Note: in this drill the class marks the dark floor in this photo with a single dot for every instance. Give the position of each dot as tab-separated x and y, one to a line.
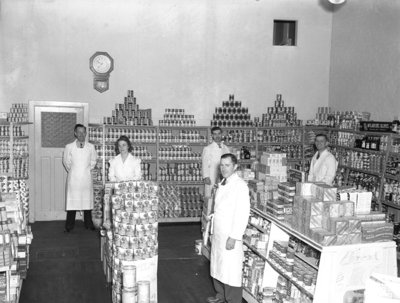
67	267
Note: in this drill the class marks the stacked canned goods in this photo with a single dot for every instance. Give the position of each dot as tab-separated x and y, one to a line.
279	136
232	114
239	136
178	152
128	113
189	136
177	117
18	113
180	172
280	115
393	165
359	160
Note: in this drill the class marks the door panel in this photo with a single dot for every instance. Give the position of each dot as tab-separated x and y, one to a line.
53	128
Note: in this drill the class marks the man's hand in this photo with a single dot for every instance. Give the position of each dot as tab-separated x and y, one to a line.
230	243
207	181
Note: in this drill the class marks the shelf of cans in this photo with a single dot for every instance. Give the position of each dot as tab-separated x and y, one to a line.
15	237
131	247
128	113
18	113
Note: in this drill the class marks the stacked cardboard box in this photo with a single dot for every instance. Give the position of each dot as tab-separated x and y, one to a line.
317	214
272	164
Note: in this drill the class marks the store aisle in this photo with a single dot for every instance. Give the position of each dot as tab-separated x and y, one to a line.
67	267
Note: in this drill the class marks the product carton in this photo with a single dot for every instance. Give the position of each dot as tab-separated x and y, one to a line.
376	231
323	237
325	192
306	188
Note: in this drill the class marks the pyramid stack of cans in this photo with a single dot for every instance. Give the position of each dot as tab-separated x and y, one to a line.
177	117
232	114
280	115
134	207
128	113
18	113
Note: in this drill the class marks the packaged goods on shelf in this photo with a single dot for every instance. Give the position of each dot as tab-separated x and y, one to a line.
128	113
393	166
325	116
272	164
180	172
190	136
391	191
253	271
231	114
132	240
359	160
332	222
18	113
18	189
178	152
177	117
97	211
280	115
246	174
180	201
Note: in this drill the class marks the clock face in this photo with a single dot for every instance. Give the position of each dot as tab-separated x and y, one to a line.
101	64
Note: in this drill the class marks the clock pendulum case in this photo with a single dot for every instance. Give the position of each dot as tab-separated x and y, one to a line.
101	64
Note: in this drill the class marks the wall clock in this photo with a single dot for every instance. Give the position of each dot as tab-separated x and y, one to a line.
101	64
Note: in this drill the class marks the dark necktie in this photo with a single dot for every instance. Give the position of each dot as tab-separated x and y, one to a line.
81	144
223	181
317	156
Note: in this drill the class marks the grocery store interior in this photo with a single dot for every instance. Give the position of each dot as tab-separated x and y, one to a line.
303	93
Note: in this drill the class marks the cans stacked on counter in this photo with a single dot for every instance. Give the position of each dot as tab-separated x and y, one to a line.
178	152
232	114
280	115
189	136
180	172
128	113
177	117
21	190
180	201
97	211
18	113
133	237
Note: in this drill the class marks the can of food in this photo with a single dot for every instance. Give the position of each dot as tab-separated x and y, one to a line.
198	246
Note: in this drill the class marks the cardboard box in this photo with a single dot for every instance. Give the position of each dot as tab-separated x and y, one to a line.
325	192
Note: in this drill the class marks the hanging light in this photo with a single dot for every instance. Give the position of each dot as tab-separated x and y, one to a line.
337	1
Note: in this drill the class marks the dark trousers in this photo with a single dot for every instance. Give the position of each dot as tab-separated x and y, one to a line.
71	214
230	294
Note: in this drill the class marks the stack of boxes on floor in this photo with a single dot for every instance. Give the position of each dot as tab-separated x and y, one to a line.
332	218
15	236
131	249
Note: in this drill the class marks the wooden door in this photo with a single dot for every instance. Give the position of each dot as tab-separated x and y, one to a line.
53	128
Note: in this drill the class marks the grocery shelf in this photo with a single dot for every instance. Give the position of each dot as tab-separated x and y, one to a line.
183	143
249	297
179	161
287	276
393	154
307	260
288	229
279	127
239	144
391	204
182	182
179	220
261	254
14	123
397	178
259	228
279	143
183	127
369	172
361	150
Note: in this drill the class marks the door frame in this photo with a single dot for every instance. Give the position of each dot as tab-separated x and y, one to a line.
32	150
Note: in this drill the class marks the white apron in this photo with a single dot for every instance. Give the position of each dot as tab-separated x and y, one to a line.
323	169
79	180
211	157
231	214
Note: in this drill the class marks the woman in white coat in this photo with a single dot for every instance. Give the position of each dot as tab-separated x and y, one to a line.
231	214
124	166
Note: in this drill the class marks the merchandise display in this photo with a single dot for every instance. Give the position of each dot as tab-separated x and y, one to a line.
176	117
128	113
180	172
178	152
327	117
18	113
190	136
131	246
232	115
280	115
179	201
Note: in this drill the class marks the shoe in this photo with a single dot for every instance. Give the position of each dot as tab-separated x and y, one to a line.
214	300
67	230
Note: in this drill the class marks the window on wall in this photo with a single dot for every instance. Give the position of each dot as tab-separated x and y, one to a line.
285	32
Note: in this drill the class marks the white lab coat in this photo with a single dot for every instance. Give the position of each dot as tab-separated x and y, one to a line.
124	171
78	163
211	158
231	214
323	169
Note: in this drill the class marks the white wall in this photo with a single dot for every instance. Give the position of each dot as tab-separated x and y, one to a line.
187	54
365	64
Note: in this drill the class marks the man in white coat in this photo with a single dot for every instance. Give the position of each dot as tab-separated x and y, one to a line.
231	214
211	158
79	159
323	164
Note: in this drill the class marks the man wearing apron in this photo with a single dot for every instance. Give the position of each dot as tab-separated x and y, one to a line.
210	160
231	214
79	159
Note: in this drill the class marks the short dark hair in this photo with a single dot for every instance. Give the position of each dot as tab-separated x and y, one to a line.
78	126
126	139
231	156
216	128
322	135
